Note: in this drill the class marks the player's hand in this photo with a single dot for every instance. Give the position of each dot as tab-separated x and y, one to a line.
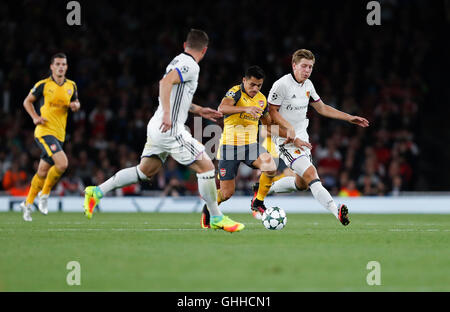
254	111
75	106
362	122
300	143
210	114
290	135
39	120
166	123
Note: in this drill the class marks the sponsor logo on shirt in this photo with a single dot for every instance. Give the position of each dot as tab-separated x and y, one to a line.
295	108
248	117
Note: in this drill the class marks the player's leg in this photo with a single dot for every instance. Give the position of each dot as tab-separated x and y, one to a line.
304	168
226	190
37	182
283	170
288	184
51	167
268	167
207	189
54	174
228	166
147	168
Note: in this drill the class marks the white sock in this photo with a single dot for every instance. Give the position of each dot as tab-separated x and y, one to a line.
323	197
123	178
208	191
283	185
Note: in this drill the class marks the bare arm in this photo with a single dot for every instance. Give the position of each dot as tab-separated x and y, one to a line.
283	124
227	107
29	107
165	87
205	112
328	111
281	127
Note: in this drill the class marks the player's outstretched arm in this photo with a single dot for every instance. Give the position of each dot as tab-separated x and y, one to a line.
29	107
205	112
331	112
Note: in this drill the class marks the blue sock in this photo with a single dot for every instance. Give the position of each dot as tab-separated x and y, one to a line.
215	219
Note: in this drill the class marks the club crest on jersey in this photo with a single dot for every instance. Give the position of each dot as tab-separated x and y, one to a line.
223	172
261	103
53	147
307	94
69	92
297	152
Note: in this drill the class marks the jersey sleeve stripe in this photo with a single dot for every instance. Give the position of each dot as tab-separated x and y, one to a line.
179	74
316	100
175	107
38	89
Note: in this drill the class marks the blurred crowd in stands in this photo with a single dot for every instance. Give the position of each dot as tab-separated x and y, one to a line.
120	52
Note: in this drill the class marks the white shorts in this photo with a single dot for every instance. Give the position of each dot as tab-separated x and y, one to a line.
290	153
182	146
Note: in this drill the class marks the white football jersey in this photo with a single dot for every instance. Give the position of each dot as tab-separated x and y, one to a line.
182	93
293	99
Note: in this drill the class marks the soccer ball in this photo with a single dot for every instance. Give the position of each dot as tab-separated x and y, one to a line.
274	218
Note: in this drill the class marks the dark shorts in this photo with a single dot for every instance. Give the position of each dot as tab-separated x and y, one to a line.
231	157
49	145
280	164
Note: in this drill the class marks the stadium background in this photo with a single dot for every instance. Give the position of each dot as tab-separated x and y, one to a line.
390	74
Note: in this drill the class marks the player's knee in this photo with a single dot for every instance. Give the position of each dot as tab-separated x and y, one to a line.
226	194
268	165
146	172
300	184
271	173
310	174
42	172
208	167
62	166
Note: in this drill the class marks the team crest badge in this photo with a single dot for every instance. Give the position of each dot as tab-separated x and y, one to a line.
53	147
261	103
297	152
307	94
223	172
69	92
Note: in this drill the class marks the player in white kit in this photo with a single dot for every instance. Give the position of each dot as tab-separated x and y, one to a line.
166	135
289	100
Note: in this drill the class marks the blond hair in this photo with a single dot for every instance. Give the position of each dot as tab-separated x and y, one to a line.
302	53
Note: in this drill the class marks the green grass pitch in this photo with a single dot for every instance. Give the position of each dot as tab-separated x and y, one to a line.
169	252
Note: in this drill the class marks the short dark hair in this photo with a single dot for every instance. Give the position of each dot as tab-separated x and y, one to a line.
254	71
197	39
57	55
